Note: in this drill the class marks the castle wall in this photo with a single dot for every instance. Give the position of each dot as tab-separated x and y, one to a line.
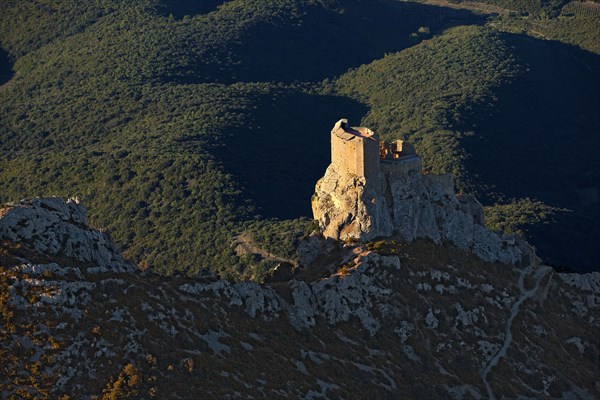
371	157
403	164
343	154
356	156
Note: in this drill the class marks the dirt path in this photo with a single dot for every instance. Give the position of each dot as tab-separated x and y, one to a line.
539	274
245	245
474	6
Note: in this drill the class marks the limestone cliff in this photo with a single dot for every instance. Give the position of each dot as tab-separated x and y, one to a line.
401	199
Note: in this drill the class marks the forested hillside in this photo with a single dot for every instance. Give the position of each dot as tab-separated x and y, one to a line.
572	22
184	124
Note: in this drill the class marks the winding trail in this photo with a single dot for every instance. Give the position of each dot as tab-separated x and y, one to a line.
247	246
480	6
539	274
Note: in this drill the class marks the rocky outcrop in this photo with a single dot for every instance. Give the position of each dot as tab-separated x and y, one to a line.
350	207
335	298
58	228
342	297
398	320
402	200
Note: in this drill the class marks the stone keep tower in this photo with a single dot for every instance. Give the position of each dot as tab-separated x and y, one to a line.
354	151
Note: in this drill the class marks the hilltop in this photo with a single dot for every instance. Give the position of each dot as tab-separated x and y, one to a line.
184	127
195	132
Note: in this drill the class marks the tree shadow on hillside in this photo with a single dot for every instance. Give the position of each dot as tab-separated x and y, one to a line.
182	8
279	157
324	43
6	67
543	142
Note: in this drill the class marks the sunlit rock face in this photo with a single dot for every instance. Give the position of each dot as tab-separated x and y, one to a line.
352	207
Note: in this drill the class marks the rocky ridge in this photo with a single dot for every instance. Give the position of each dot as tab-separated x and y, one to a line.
415	320
403	200
55	227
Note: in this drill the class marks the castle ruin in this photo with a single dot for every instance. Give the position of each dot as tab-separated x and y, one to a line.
375	189
358	151
354	150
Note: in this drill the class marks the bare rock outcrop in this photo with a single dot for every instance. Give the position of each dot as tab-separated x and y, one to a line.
55	227
350	207
335	298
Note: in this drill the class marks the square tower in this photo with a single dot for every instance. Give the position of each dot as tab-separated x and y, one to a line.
354	150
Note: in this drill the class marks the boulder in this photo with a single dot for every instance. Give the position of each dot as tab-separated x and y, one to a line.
55	227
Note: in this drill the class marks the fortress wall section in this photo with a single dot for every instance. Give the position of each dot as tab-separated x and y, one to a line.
371	157
346	154
356	155
403	165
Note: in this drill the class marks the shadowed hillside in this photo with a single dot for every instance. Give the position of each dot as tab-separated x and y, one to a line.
183	8
285	43
540	140
360	34
6	67
283	150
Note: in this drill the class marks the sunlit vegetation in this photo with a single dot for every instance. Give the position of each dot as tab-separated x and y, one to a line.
543	8
575	23
411	98
281	237
124	386
514	217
